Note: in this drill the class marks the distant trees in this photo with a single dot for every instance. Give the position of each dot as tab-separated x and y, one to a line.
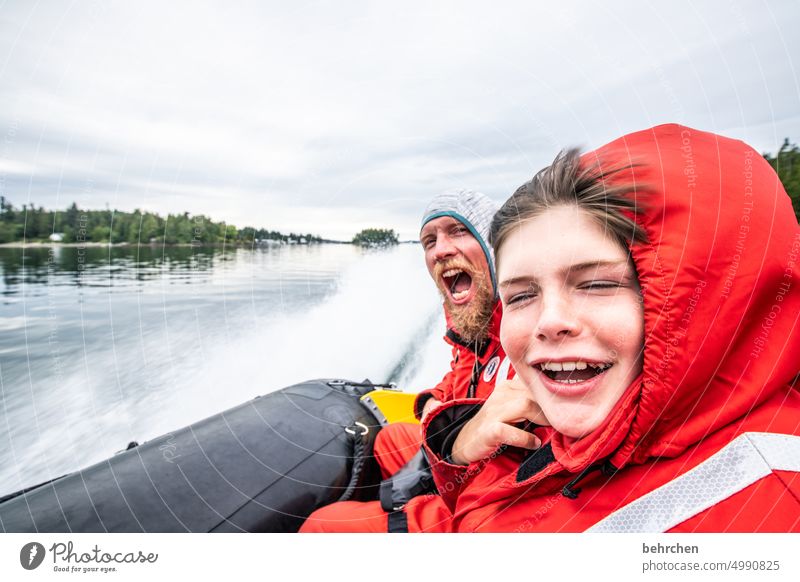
8	221
787	164
76	225
373	237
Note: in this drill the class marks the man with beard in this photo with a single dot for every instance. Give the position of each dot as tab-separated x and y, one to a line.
453	234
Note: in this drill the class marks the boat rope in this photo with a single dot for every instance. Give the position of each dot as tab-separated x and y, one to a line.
359	458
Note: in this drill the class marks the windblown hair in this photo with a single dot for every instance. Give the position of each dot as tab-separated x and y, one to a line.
566	182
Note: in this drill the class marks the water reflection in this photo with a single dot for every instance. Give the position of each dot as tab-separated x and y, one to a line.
104	266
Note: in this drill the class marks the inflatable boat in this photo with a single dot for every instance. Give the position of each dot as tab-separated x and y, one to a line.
263	466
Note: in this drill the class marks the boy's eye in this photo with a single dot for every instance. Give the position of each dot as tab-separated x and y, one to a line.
520	298
591	285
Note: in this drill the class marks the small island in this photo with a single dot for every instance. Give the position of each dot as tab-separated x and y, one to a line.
376	237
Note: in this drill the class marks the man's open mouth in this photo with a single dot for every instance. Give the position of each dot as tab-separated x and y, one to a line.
458	283
573	372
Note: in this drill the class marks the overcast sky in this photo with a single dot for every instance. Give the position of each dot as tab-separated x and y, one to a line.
329	117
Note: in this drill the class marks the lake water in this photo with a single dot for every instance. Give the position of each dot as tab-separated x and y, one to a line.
99	346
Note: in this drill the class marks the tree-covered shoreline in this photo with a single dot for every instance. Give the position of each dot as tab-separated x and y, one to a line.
74	225
786	164
30	224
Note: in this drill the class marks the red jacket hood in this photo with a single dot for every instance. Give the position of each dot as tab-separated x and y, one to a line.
719	280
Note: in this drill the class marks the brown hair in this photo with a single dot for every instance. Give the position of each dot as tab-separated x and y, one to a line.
566	182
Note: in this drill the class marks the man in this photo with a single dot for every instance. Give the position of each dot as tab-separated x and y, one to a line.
453	234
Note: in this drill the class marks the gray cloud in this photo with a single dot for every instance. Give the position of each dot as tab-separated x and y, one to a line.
324	117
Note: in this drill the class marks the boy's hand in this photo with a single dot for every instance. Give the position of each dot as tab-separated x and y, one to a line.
509	404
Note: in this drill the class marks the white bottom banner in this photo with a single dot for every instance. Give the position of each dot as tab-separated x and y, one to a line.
349	557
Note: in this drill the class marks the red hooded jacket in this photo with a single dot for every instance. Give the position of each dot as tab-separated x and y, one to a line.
706	438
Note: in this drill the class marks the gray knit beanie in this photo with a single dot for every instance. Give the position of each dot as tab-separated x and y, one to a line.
472	209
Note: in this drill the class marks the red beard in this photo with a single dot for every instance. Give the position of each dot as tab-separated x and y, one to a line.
471	320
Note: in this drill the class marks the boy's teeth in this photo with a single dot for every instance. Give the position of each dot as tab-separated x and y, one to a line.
563	366
451	273
460	294
570	366
602	366
572	372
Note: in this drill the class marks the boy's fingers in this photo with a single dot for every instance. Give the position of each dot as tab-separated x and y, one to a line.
519	438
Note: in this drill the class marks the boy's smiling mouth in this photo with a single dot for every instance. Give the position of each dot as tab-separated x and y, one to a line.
572	371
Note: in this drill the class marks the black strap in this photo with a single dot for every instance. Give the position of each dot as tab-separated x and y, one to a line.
473	382
412	479
477	370
571	490
398	522
385	495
